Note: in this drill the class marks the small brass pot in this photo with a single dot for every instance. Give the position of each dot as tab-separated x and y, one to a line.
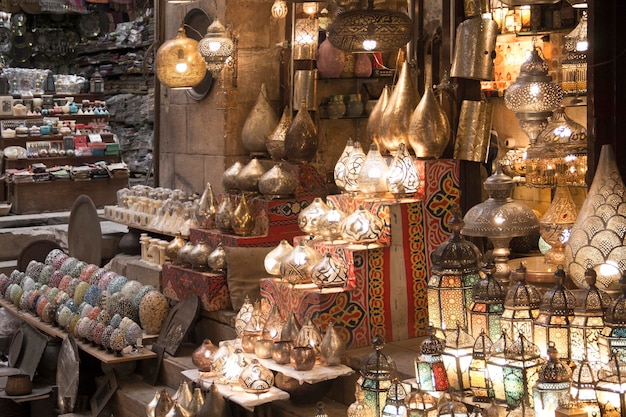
263	348
19	384
281	351
302	358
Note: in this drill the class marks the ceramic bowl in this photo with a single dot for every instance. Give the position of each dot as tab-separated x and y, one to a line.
5	208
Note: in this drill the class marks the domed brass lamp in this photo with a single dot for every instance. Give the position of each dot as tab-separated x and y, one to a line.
305	39
273	326
479	381
457	356
362	227
556	312
500	218
430	372
495	364
367	30
373	175
341	168
556	223
243	316
488	305
583	388
521	306
275	257
455	271
521	372
216	47
256	378
610	387
295	267
329	272
553	383
178	63
533	96
395	403
559	156
330	224
588	321
611	338
279	9
403	179
233	366
354	164
377	372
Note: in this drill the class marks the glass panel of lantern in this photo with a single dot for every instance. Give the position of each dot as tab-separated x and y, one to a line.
455	271
457	356
556	312
377	373
488	304
553	383
395	403
588	320
421	404
495	364
583	388
479	381
521	371
613	336
611	388
521	306
430	372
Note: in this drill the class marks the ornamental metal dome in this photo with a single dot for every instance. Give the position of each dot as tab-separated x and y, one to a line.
488	290
457	255
554	370
558	300
594	302
432	345
482	346
521	294
378	366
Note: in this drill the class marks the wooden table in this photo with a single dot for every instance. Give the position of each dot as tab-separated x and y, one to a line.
94	351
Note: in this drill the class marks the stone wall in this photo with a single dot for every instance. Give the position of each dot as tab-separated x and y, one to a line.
200	139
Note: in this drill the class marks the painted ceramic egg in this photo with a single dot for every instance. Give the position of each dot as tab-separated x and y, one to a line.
89	330
52	293
71	304
16	276
55	279
104	317
34	268
27	283
53	254
4	283
92	294
72	324
125	324
41	303
88	270
65	282
85	310
83	327
117	284
71	287
116	320
63	316
46	273
118	341
80	291
153	311
77	327
98	331
61	297
48	315
23	302
94	279
131	288
133	333
32	301
140	294
106	279
7	292
68	265
77	269
93	314
16	294
106	337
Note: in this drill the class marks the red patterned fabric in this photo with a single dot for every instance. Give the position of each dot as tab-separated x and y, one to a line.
180	283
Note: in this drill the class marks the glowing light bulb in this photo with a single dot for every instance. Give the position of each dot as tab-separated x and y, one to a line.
369	44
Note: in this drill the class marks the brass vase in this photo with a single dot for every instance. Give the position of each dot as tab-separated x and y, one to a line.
275	143
164	404
207	207
277	183
183	395
333	347
281	351
224	215
296	266
310	336
302	358
197	401
396	118
183	254
243	220
372	131
259	124
217	259
249	176
199	255
429	131
171	250
151	406
291	328
229	177
301	139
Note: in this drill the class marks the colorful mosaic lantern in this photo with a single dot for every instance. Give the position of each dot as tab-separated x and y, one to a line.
612	339
430	372
488	305
556	313
455	271
521	306
553	383
521	371
377	373
457	356
611	388
588	320
479	381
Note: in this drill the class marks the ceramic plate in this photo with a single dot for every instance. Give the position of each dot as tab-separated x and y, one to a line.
84	232
15	152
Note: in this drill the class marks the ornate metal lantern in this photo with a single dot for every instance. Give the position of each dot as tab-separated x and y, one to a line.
457	356
495	364
430	372
611	388
479	380
521	306
612	340
521	371
553	383
488	305
377	373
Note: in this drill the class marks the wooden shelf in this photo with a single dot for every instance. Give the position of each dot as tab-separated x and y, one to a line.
60	160
94	351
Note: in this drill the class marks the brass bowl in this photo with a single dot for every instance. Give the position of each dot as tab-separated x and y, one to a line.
18	385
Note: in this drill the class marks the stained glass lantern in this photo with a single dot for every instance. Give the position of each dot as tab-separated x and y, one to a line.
611	388
479	381
556	313
457	356
521	306
588	320
500	218
495	364
455	271
430	372
612	339
395	403
488	305
421	404
521	371
533	96
305	39
377	373
583	388
553	383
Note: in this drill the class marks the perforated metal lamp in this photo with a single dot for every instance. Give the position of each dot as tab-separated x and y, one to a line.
430	371
521	372
478	373
455	272
556	313
377	372
521	307
216	47
583	388
488	305
500	219
611	339
178	63
588	320
611	388
457	356
495	364
553	383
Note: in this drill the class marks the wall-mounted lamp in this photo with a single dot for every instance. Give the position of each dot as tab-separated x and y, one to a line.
218	48
178	63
